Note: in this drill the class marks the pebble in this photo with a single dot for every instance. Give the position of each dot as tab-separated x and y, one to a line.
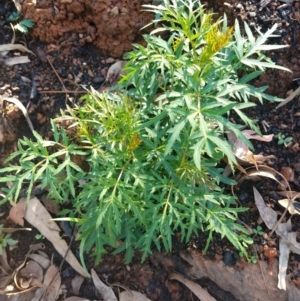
124	11
287	173
229	259
243	196
41	55
115	11
98	80
104	72
110	60
90	73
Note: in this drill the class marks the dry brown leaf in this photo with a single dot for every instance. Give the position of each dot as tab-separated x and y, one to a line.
52	282
41	260
5	270
22	296
284	253
43	254
250	134
18	103
38	216
287	242
3	282
132	296
3	263
241	151
201	293
17	212
76	284
18	6
268	215
31	275
37	247
106	292
289	194
293	206
288	237
289	98
262	171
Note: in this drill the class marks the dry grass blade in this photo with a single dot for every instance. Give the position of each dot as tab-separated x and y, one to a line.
9	47
22	108
106	292
289	98
16	60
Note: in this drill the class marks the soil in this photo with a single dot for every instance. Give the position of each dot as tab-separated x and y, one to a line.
81	39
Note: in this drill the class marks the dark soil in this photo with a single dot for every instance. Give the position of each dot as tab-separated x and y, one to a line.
79	61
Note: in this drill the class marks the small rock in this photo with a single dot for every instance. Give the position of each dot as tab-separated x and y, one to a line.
103	72
243	196
41	55
115	11
110	60
229	259
124	11
90	73
98	80
287	173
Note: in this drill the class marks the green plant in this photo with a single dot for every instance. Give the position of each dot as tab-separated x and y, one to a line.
5	240
252	258
22	25
282	139
153	145
39	236
258	231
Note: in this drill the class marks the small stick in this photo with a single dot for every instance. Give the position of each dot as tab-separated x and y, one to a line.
56	73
